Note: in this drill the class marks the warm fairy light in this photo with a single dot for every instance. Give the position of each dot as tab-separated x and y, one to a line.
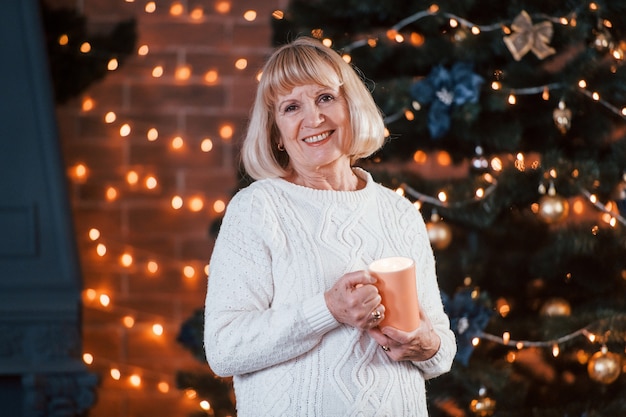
503	307
111	194
546	94
183	73
105	300
506	337
206	145
418	205
591	337
143	50
88	358
126	259
278	14
222	6
135	380
420	157
115	374
101	249
219	206
442	196
91	294
163	387
80	171
593	198
150	7
94	234
416	39
64	40
128	321
113	64
241	63
496	85
189	271
578	207
372	42
595	95
475	30
433	8
582	84
153	134
519	345
555	350
196	204
125	130
211	76
132	177
177	143
157	329
475	341
197	13
391	34
454	23
317	33
226	131
177	202
387	133
511	356
444	159
250	15
152	267
327	42
347	58
512	100
151	183
176	9
480	192
85	47
409	115
110	117
400	191
88	104
205	405
191	393
206	270
157	71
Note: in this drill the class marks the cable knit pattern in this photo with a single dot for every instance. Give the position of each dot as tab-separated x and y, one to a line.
280	247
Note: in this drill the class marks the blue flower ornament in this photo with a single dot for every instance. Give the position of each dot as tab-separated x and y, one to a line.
469	315
444	89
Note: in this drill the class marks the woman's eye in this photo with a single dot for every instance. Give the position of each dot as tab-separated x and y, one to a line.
290	108
326	98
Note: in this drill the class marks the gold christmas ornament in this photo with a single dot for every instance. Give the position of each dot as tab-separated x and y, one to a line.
562	117
555	307
552	208
527	37
604	366
439	233
483	406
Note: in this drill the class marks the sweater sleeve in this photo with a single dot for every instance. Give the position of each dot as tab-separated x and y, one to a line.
243	331
430	298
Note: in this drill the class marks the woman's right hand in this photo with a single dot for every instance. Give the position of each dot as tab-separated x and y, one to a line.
354	300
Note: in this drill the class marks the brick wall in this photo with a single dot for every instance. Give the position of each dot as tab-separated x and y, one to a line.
140	221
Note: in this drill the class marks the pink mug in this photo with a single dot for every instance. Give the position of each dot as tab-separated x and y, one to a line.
396	285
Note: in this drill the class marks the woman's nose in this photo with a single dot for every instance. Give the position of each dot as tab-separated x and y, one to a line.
313	116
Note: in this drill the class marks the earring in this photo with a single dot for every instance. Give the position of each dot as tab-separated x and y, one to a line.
280	146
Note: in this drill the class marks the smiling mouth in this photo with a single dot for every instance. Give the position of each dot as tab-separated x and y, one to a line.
317	138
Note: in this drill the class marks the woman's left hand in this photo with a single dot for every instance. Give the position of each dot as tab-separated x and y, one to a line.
418	345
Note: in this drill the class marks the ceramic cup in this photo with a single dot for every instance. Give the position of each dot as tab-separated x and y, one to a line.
396	285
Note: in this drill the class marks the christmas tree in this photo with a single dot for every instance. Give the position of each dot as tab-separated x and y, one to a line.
507	128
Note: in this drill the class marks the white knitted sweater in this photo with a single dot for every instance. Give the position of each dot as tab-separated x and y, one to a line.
280	247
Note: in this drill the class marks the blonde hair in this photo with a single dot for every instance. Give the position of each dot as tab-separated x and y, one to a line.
306	61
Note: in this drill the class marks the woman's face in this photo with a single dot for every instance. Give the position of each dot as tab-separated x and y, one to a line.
314	125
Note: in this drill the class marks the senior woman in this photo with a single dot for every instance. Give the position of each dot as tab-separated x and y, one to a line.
290	312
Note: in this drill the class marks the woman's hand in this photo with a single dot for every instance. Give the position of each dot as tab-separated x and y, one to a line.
419	345
354	300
